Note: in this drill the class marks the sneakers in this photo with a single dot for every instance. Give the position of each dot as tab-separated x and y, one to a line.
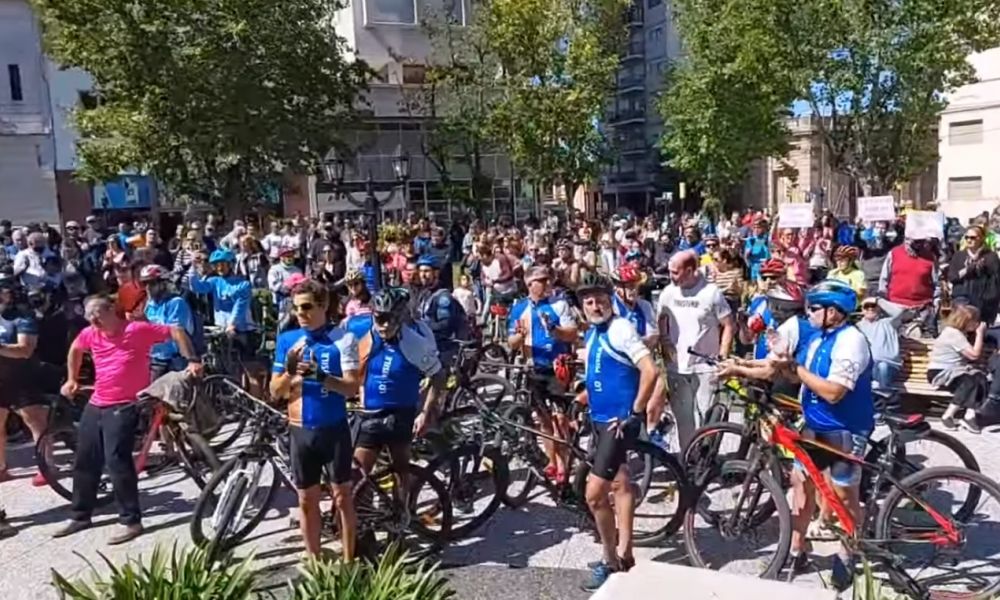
598	575
842	574
949	423
799	563
971	425
626	563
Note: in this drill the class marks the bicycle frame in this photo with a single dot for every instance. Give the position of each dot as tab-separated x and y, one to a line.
160	414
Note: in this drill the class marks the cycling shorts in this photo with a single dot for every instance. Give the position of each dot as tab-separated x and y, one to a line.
843	473
548	392
387	427
19	386
610	450
318	451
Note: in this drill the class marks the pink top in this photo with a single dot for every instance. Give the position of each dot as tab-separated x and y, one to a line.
354	306
121	362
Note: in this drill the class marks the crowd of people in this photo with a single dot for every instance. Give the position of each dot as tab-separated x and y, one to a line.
779	303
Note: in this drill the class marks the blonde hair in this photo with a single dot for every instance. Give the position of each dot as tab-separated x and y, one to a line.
962	316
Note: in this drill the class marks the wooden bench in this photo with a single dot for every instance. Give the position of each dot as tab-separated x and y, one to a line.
912	378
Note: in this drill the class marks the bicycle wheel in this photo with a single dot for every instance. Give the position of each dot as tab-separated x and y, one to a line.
419	529
712	445
523	453
934	449
229	406
56	466
476	479
234	502
914	522
721	528
197	457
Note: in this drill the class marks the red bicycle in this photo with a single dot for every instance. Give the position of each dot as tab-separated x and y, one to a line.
928	541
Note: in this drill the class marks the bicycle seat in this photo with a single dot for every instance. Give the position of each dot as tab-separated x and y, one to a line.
913	426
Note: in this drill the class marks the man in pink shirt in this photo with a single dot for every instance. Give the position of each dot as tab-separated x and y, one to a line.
107	430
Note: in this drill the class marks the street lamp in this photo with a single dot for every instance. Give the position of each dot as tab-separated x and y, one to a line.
333	173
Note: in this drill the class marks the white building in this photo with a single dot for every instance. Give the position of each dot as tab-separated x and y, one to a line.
27	149
969	143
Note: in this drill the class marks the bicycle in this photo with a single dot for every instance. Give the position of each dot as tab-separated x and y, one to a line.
235	501
56	447
884	533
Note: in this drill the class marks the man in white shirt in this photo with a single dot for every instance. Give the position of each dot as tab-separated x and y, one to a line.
693	313
28	262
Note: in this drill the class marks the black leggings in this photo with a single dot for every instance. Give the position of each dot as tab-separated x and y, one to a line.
969	390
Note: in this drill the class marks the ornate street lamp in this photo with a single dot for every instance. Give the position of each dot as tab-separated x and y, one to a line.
333	173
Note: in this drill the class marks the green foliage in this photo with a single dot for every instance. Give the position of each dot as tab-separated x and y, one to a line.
212	97
185	574
877	70
389	579
557	63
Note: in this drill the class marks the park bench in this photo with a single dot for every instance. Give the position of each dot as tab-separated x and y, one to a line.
912	378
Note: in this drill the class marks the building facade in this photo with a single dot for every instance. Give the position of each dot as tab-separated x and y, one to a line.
968	180
27	148
637	176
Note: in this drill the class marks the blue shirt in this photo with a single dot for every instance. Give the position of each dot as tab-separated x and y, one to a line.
172	311
335	351
686	245
359	325
830	355
613	349
540	345
393	368
758	306
757	249
230	299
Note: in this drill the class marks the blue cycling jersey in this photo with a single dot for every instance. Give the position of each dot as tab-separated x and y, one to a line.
540	345
170	311
334	351
392	369
230	299
612	375
855	412
758	306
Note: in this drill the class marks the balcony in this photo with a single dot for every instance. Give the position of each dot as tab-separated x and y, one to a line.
623	117
634	51
639	147
630	84
634	16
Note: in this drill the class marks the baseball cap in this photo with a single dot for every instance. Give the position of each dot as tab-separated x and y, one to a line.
535	273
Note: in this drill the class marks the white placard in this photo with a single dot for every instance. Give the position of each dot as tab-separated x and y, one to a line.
796	214
876	208
924	225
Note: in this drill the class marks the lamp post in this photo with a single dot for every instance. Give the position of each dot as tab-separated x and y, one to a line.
333	172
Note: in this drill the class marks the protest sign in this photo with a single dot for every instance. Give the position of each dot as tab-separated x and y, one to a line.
796	214
924	225
876	208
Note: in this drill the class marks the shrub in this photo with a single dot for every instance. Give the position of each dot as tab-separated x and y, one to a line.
390	579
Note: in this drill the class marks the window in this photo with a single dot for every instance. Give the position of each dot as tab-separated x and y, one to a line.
395	12
14	75
656	34
965	188
414	74
965	132
653	3
456	11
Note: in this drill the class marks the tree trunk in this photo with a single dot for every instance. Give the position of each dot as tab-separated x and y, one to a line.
233	202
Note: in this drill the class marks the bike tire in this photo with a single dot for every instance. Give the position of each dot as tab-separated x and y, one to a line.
205	506
452	464
518	443
228	410
887	528
903	467
736	472
64	439
195	451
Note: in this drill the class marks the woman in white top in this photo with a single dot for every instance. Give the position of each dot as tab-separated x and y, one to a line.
952	366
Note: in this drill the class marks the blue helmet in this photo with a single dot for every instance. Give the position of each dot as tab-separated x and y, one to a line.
832	292
222	255
428	261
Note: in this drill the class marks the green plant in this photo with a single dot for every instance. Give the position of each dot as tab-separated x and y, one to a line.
388	579
866	587
184	575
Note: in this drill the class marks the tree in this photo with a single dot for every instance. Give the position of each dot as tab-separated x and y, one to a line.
875	72
557	63
213	98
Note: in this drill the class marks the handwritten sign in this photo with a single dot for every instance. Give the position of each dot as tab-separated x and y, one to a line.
796	214
924	225
876	208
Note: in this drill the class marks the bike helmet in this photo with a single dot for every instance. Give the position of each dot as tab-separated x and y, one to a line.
832	292
564	244
222	255
153	273
593	283
391	300
626	275
786	299
773	267
848	252
354	276
427	260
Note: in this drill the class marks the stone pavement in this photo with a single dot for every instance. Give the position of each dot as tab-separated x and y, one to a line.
535	552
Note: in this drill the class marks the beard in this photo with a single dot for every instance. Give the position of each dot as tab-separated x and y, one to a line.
599	318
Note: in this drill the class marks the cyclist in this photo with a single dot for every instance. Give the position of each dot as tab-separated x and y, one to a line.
621	376
542	328
395	355
435	306
165	308
838	408
638	311
231	296
359	296
316	369
772	273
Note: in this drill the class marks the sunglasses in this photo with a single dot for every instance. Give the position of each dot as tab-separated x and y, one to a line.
384	319
769	277
304	307
815	307
972	238
869	306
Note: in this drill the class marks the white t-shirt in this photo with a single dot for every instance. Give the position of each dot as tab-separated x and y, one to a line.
624	338
789	332
848	358
695	318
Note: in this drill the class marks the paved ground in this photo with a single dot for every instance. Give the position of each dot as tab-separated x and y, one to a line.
535	552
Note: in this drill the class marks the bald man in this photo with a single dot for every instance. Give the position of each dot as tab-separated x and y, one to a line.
693	313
